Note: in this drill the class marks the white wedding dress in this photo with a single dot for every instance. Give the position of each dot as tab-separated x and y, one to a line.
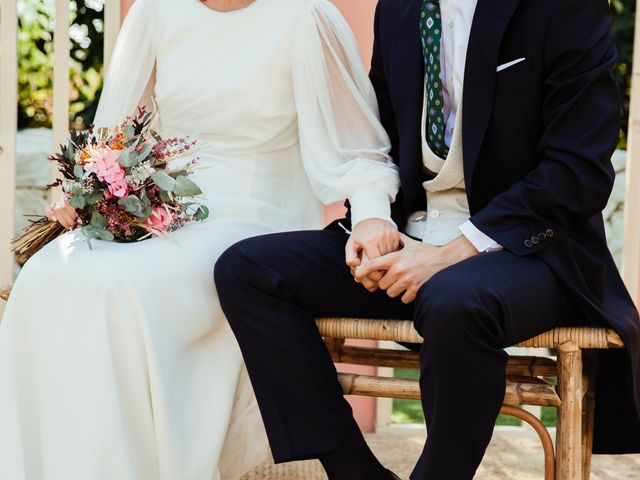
117	363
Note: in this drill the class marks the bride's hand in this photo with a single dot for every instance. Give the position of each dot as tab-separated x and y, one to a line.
63	213
371	239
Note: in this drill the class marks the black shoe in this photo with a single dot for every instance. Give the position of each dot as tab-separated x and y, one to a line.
393	475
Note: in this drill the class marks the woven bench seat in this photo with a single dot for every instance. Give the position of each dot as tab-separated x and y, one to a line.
403	331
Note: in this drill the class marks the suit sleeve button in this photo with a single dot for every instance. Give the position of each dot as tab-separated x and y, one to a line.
528	243
542	237
535	240
550	233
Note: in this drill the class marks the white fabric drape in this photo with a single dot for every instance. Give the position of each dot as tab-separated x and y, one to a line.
345	149
130	72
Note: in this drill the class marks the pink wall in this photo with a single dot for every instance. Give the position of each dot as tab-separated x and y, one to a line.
359	14
126	5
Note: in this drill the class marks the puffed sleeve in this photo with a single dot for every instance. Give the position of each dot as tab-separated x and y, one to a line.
345	149
129	76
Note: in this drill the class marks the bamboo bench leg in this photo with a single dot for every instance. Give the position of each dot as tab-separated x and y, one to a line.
588	411
569	432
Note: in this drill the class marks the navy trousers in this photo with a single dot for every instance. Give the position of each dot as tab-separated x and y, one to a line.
272	287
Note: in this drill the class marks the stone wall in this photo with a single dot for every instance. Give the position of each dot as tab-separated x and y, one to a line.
33	173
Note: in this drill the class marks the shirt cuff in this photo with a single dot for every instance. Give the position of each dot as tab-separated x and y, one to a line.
370	203
478	239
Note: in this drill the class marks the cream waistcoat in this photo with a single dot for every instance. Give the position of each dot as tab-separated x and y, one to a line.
447	205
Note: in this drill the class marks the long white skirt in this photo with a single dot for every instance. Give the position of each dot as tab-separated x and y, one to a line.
118	364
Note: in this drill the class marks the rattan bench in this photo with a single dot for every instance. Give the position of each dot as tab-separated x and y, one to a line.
528	381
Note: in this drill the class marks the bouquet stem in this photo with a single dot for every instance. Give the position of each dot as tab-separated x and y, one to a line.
36	236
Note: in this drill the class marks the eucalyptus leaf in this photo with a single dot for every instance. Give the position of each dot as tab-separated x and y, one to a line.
104	234
89	232
202	213
145	151
124	157
165	197
128	158
132	204
78	201
78	171
164	181
129	133
186	187
98	220
145	199
76	190
146	213
94	198
71	151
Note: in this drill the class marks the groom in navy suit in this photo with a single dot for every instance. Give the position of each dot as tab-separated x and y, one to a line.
503	116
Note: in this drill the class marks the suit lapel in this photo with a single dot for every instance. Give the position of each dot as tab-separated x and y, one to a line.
489	25
407	65
406	77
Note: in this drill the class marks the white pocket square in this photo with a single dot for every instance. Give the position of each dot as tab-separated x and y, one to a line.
504	66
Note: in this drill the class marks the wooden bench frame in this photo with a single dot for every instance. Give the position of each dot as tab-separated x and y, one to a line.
527	381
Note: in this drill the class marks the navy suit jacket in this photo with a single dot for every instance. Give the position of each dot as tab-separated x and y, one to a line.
537	141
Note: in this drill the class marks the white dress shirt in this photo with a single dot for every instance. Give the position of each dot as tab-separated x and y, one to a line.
457	18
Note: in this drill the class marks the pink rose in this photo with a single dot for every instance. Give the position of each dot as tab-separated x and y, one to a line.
106	167
160	219
119	188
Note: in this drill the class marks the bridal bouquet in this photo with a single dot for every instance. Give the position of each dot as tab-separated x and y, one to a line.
121	183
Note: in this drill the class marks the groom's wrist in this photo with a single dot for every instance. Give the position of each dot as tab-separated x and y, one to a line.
460	249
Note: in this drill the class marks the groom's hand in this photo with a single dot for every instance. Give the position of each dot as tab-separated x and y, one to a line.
410	268
371	239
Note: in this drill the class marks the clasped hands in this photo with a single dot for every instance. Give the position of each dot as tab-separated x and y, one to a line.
380	257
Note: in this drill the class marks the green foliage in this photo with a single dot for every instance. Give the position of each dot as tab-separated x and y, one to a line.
35	61
410	411
163	181
135	206
623	13
202	213
407	411
186	188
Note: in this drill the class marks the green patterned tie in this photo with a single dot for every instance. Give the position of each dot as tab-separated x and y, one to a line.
431	32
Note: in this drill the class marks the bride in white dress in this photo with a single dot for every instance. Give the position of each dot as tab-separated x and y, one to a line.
118	363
